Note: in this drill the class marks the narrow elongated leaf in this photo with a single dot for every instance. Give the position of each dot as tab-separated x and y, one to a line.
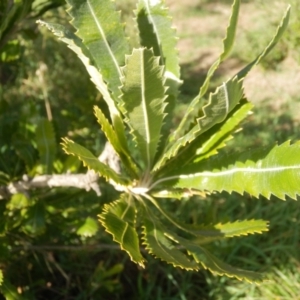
119	219
100	28
161	247
143	95
273	172
280	30
155	28
216	266
91	161
209	261
156	31
220	104
76	45
208	144
46	144
115	142
223	133
210	233
227	46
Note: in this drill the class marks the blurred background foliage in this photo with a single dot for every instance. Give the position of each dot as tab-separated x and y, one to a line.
51	246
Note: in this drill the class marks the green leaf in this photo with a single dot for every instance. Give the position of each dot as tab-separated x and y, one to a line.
211	141
100	28
36	221
160	246
119	219
280	30
210	233
91	161
215	265
18	201
227	46
156	31
220	104
76	45
219	135
25	150
10	292
88	228
46	143
112	137
272	172
143	95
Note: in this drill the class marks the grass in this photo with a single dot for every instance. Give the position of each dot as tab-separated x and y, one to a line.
107	272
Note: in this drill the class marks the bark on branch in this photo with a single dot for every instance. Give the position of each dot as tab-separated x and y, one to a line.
88	181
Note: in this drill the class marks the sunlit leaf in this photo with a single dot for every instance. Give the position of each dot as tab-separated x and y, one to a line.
269	172
118	218
91	161
227	46
100	28
88	228
143	95
161	247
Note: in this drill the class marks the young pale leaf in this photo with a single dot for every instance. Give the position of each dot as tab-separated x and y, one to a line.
157	244
220	104
118	218
115	142
46	144
272	172
208	144
143	95
227	46
100	28
76	45
91	161
222	133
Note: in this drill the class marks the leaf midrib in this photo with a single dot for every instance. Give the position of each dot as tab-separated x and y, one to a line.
104	37
144	107
227	172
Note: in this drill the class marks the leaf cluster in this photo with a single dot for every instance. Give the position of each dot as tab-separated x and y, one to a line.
140	87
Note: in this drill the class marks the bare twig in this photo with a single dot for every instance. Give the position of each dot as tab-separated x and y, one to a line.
88	181
97	247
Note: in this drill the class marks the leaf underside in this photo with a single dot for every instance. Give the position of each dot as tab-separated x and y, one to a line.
118	218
